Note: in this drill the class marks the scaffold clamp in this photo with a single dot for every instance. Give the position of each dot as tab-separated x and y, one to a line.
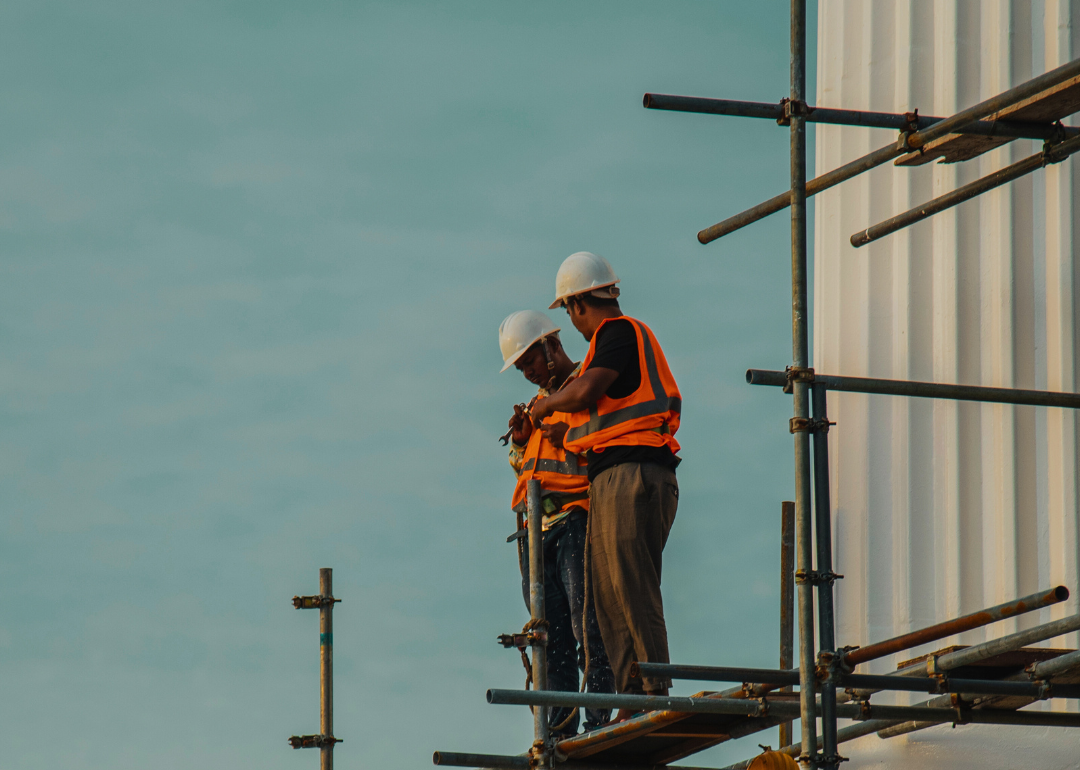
815	577
313	602
791	108
523	640
313	741
810	425
797	374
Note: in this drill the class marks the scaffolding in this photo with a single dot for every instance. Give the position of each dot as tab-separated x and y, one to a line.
982	684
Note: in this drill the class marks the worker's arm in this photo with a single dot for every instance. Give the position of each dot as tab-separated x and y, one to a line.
576	396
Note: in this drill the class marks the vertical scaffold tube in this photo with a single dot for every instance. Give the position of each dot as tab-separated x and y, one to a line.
326	667
537	610
826	616
801	356
787	601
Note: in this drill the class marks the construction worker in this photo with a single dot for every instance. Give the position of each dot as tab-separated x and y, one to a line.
624	411
530	341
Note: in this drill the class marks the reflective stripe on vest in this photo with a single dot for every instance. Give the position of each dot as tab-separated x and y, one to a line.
566	468
659	405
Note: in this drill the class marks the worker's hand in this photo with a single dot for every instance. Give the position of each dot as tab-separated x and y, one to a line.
538	411
520	425
554	432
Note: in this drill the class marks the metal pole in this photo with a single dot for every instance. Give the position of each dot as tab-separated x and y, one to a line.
896	121
868	683
923	389
787	600
521	762
326	667
537	611
956	626
813	187
800	360
825	576
1051	155
906	144
781	709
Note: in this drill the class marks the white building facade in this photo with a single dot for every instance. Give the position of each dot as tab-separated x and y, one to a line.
941	508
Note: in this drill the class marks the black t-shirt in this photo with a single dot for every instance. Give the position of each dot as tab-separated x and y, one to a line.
617	349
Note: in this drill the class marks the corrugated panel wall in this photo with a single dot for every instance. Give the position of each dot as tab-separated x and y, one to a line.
942	508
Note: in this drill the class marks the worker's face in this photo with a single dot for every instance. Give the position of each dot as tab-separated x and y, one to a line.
576	310
533	365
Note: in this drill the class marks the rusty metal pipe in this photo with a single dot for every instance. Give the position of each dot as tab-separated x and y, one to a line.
915	389
956	626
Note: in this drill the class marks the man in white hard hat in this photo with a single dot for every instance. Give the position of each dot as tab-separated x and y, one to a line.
624	410
530	341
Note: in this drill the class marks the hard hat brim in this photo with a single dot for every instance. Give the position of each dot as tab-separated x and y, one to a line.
513	359
560	301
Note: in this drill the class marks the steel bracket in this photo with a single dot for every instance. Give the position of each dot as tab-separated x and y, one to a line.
912	119
815	577
313	741
313	602
810	425
524	640
828	667
791	109
797	374
539	756
832	760
865	710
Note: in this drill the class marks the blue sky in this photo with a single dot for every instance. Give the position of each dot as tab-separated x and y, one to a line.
254	257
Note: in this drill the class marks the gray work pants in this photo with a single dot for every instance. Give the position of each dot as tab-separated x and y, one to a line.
632	507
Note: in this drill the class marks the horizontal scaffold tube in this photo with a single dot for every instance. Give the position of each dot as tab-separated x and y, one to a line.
875	682
887	120
521	762
914	389
956	626
748	708
912	142
1051	155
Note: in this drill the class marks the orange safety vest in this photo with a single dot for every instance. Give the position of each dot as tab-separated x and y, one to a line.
562	475
647	417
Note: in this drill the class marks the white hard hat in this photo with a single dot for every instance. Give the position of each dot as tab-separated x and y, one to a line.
520	331
584	272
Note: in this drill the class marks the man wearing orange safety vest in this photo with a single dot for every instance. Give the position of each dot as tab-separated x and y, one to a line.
530	341
623	412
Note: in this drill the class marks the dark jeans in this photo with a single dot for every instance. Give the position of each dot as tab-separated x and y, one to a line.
564	598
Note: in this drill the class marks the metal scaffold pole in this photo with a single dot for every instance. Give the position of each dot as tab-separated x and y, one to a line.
323	602
787	600
326	666
537	611
796	109
825	575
